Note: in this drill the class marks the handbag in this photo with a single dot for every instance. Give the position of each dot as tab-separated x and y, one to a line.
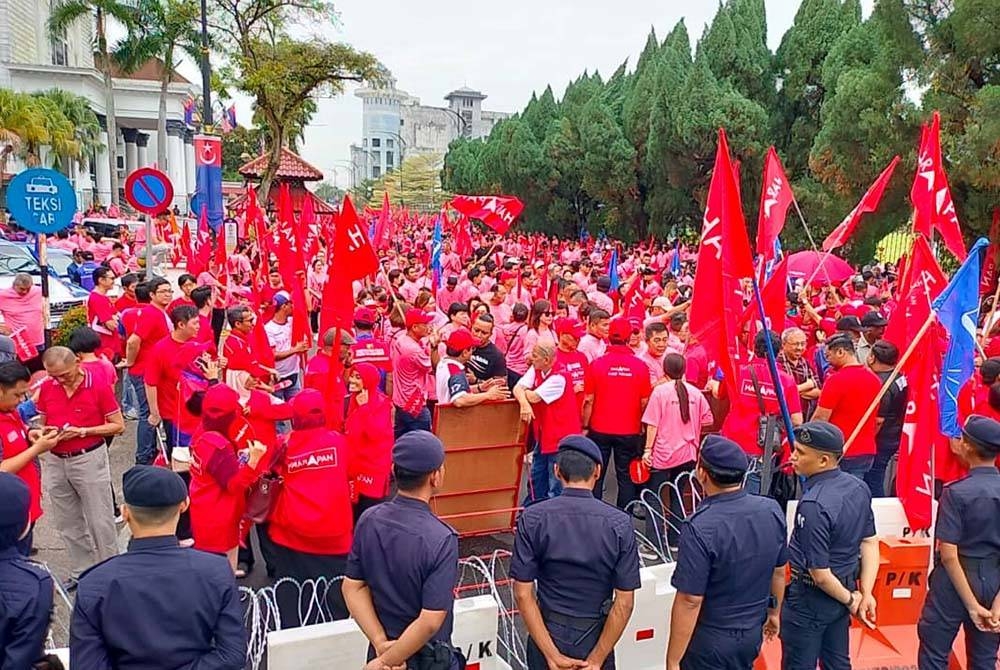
263	493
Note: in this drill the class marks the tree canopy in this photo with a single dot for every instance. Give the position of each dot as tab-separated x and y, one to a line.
632	155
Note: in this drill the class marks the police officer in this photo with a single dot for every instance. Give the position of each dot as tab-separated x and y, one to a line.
834	526
403	566
25	590
157	582
965	583
582	553
730	574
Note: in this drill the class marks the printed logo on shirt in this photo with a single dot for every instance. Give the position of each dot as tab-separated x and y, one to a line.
620	371
318	460
766	389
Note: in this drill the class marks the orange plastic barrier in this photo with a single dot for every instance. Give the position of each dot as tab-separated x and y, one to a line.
484	454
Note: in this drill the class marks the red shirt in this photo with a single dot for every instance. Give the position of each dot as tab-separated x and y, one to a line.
125	301
741	424
576	366
168	359
151	326
90	405
848	392
102	370
239	356
179	302
619	382
15	441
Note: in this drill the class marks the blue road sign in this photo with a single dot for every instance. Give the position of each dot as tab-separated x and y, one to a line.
149	190
41	200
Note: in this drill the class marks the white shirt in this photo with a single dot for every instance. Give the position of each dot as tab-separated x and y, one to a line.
280	338
551	388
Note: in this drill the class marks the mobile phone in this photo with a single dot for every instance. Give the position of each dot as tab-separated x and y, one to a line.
282	385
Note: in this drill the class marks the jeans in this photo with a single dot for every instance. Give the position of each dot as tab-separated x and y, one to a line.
291	391
875	477
145	438
857	465
404	422
544	483
129	403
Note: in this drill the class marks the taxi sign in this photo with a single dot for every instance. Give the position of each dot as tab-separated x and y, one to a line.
41	200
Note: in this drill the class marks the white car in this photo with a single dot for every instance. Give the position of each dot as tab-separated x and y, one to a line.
41	185
62	296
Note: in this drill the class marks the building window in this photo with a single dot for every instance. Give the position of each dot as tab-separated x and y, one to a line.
388	144
57	43
388	159
376	172
376	142
467	102
364	141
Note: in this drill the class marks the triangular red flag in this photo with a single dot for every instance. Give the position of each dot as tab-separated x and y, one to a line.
724	261
991	259
463	238
353	258
203	249
496	211
931	195
920	284
383	228
869	203
775	197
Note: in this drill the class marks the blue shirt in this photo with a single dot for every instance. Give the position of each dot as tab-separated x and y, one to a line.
579	549
409	560
968	514
158	606
727	552
832	518
25	604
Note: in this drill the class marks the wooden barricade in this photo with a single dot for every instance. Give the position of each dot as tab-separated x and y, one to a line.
484	453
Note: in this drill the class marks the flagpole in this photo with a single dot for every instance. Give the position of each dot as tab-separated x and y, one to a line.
892	378
772	362
798	211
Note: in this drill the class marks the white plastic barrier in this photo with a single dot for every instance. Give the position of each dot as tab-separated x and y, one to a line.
644	642
341	644
890	519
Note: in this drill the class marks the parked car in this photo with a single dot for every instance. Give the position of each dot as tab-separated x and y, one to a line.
63	296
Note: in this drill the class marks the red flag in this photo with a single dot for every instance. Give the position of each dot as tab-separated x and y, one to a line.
219	261
992	258
775	197
309	227
255	218
496	211
869	203
774	294
383	228
922	282
260	345
185	247
463	238
353	258
22	349
724	260
203	248
931	195
914	483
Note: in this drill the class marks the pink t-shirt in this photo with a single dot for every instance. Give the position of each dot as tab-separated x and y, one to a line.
655	365
512	340
676	442
411	371
24	312
592	347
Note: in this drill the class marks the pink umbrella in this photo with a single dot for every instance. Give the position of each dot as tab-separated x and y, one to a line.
822	267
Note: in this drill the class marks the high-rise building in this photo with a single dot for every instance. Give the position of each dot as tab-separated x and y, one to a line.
394	125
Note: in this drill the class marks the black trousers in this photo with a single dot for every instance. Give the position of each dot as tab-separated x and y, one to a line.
624	448
296	604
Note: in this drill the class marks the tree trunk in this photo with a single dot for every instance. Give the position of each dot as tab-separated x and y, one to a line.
273	161
109	103
161	117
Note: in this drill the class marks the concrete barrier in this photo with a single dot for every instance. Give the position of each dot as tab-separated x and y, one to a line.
644	642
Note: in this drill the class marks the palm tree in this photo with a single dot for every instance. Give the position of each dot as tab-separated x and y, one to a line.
164	27
22	122
67	13
86	128
59	136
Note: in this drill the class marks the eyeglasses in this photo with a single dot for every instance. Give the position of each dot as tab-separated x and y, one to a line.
548	314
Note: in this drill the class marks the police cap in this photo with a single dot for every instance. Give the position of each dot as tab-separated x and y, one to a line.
983	431
724	454
820	435
151	486
15	500
418	451
582	444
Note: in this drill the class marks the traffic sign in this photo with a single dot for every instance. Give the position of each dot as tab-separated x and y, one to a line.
149	190
41	200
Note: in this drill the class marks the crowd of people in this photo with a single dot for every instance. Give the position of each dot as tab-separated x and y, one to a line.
246	425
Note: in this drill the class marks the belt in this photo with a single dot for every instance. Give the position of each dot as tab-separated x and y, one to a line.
79	452
571	621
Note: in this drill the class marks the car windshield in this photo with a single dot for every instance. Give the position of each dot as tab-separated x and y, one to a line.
60	263
14	259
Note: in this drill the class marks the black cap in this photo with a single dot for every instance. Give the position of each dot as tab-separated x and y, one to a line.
418	451
721	452
983	431
846	323
820	435
840	341
873	319
152	486
582	444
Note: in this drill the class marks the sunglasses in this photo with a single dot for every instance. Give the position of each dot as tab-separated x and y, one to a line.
548	314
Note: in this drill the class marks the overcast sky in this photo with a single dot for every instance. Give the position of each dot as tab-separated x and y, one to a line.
504	49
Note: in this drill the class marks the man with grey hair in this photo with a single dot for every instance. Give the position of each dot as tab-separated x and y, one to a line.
21	309
792	359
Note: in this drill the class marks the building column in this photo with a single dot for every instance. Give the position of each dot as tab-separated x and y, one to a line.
189	164
131	150
142	145
102	170
175	161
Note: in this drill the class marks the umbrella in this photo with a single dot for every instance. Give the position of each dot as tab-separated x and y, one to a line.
822	267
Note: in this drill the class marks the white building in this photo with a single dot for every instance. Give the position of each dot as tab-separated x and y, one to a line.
394	125
31	60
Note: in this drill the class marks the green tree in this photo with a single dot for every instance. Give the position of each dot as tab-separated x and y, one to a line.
238	147
80	122
64	14
22	122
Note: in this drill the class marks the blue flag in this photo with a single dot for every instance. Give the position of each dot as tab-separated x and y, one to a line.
436	253
958	311
675	260
613	269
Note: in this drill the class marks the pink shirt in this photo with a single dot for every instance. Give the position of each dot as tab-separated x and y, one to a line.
602	300
411	371
512	341
533	337
655	365
24	312
676	442
501	313
591	347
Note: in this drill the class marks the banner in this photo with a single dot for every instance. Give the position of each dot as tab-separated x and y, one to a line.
208	177
496	211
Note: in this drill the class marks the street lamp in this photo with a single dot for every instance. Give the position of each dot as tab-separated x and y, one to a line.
462	121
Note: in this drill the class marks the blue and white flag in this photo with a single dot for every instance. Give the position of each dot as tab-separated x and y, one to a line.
675	260
436	254
613	269
958	311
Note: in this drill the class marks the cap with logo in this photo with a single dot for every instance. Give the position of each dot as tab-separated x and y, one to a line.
820	435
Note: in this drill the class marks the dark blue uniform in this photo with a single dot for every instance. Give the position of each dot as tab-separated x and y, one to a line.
968	516
409	560
158	606
728	551
25	606
579	549
832	519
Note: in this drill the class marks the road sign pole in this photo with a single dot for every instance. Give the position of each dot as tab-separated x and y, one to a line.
43	265
149	247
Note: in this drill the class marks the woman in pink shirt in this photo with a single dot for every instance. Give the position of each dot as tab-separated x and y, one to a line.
540	325
512	340
675	415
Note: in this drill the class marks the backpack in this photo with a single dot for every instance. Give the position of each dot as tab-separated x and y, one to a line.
87	274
